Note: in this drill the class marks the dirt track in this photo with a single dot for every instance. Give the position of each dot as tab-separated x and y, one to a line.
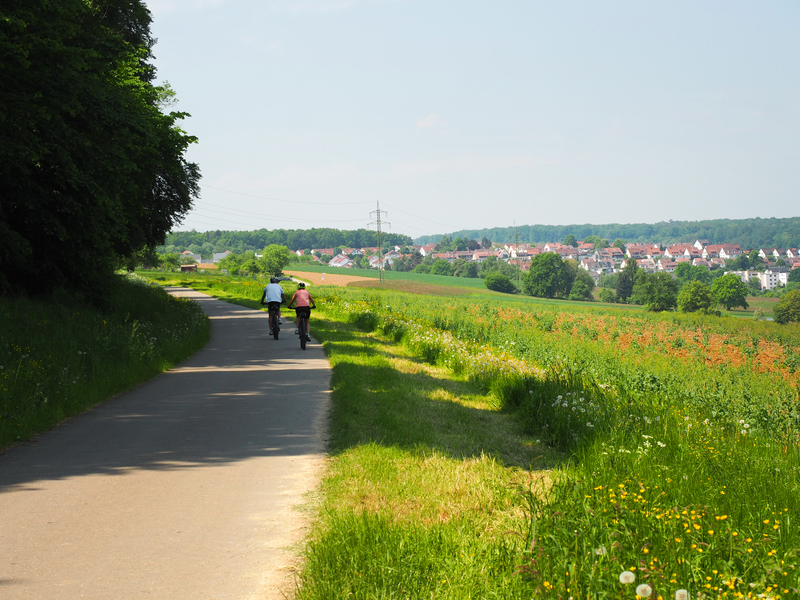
181	489
329	278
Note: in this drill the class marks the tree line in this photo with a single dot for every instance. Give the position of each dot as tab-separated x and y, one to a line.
92	164
208	242
748	233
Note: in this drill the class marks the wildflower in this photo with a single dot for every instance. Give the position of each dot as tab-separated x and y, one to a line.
643	590
627	577
682	595
600	551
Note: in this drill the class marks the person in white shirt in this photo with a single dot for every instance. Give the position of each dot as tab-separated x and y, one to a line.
273	296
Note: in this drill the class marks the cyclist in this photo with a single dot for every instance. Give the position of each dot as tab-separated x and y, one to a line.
274	296
304	303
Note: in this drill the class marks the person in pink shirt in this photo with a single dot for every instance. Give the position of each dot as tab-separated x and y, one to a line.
304	302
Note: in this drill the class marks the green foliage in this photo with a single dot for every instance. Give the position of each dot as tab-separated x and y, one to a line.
294	239
794	275
686	272
498	282
441	267
696	296
660	292
275	258
626	279
608	295
91	169
730	291
570	240
788	309
58	359
580	291
548	277
598	242
748	233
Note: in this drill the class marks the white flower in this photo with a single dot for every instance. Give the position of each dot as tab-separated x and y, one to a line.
643	590
600	551
662	444
741	421
627	577
682	595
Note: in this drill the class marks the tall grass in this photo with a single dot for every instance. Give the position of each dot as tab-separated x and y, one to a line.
690	485
60	357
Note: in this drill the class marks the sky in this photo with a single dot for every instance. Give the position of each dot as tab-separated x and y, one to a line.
462	114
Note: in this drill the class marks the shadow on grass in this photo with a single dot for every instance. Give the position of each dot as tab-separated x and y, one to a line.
381	395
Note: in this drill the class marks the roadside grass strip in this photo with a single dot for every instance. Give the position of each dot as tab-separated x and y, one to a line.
61	357
423	493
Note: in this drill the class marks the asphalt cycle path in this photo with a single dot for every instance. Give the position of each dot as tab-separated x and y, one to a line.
184	488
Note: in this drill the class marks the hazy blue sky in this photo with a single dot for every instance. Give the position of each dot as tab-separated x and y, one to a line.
462	114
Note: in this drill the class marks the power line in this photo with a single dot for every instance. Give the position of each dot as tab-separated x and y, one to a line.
211	187
377	222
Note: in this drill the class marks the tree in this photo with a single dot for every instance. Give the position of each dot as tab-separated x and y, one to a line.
441	267
794	275
499	283
730	291
548	277
444	245
275	258
608	295
788	309
599	243
659	292
686	272
696	296
486	243
626	279
473	244
459	245
91	168
618	243
570	240
580	291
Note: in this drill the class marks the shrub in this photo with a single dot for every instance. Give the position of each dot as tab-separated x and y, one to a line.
499	283
788	309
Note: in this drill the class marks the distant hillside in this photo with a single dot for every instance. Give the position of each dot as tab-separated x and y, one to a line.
748	233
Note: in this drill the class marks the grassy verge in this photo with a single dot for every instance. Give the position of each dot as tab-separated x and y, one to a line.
62	357
423	497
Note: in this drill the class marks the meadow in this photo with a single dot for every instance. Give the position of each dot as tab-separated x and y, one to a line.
59	358
504	447
681	436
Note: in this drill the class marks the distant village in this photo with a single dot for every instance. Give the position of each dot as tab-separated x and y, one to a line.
777	262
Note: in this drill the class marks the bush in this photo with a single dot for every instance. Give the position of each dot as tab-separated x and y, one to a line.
580	291
608	295
788	309
499	283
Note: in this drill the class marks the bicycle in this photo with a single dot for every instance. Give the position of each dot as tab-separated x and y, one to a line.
274	319
302	324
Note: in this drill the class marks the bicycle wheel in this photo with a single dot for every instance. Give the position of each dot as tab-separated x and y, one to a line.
275	327
303	333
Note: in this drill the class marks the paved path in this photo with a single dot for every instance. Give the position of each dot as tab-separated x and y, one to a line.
180	489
